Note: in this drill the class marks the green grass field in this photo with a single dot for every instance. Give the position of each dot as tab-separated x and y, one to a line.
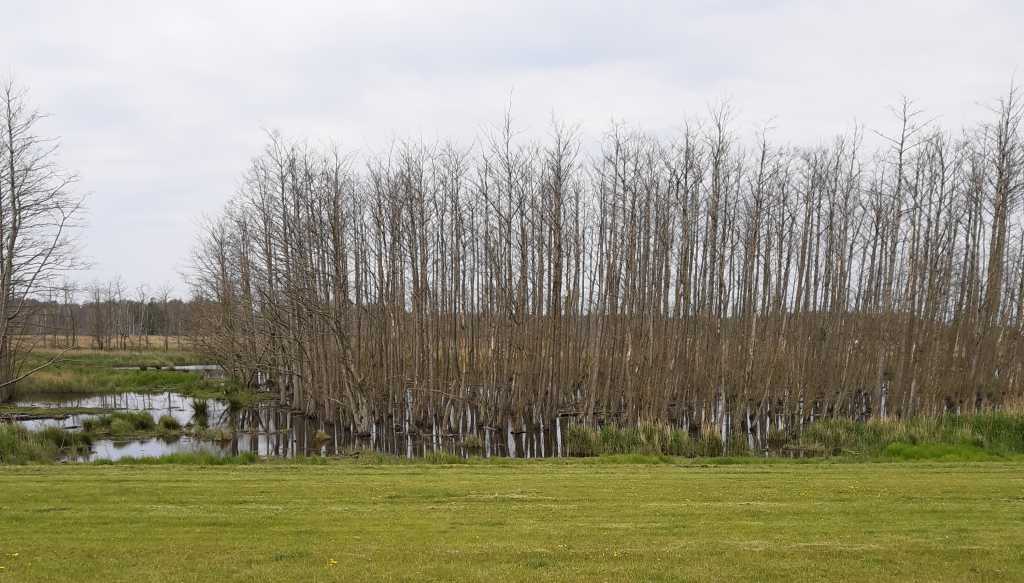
514	521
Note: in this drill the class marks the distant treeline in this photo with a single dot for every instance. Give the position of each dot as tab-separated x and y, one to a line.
732	286
106	316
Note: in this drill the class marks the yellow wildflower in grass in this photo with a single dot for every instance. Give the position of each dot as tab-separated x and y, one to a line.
331	562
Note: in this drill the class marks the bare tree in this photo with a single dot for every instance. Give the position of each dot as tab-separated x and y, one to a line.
438	294
38	217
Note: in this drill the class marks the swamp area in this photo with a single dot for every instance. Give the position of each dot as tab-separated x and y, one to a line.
95	406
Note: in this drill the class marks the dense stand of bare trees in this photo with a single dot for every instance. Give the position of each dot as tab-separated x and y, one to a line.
710	282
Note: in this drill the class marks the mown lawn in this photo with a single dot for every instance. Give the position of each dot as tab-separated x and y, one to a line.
547	521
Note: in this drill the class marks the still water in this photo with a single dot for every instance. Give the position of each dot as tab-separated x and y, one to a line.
266	428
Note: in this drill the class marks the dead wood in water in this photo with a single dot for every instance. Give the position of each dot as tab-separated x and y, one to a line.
719	288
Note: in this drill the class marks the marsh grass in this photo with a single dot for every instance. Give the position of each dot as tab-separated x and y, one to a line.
112	358
970	436
215	434
647	438
473	444
66	380
186	458
967	437
200	412
152	344
20	446
169	423
50	412
92	372
123	423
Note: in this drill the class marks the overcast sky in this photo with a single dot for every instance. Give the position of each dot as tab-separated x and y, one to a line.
160	105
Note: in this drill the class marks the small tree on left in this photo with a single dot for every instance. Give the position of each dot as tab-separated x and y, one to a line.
39	216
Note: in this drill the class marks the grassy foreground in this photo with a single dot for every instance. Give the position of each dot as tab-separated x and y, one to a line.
513	521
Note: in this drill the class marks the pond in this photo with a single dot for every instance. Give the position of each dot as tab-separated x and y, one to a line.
265	428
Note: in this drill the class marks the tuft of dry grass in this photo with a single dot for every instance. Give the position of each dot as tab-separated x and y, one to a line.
132	343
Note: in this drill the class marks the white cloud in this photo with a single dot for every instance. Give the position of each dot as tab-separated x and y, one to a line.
160	105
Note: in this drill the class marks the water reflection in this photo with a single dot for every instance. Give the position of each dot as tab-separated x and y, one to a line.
109	449
268	429
265	428
156	404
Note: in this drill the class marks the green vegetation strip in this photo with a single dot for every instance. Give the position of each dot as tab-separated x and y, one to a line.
513	521
14	412
67	379
90	372
21	446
